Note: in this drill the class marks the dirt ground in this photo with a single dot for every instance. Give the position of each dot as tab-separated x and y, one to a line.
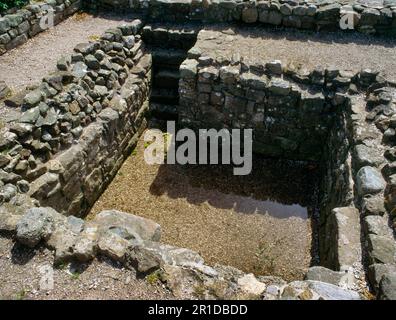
23	271
238	221
345	51
29	63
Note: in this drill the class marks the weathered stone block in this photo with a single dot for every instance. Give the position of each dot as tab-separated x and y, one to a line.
369	181
345	246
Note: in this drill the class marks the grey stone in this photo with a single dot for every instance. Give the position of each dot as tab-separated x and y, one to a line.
4	160
249	13
329	291
194	53
92	62
44	186
30	116
4	90
315	290
250	286
75	224
49	120
85	48
63	63
113	246
345	247
7	140
101	90
369	16
86	244
376	225
14	19
33	98
279	87
8	222
128	41
323	274
77	57
381	249
367	156
9	177
79	69
373	206
62	240
275	67
376	271
4	25
253	81
7	192
188	68
369	181
274	18
23	27
147	256
21	129
286	9
387	290
23	186
137	227
35	225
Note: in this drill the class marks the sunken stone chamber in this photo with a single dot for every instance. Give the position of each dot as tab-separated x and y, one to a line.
82	122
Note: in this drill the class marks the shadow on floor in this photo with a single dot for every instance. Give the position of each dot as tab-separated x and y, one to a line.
278	187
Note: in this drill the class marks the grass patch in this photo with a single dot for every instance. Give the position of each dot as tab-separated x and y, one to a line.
153	278
20	295
94	37
75	275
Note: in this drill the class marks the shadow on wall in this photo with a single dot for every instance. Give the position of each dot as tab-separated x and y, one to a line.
280	188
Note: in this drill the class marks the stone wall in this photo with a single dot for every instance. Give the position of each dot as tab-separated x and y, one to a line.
288	122
336	189
312	15
78	126
373	165
288	108
17	28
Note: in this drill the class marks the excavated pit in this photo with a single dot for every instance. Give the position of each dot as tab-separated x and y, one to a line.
265	223
259	223
277	221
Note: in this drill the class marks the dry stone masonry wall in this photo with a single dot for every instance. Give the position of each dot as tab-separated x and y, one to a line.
79	124
365	16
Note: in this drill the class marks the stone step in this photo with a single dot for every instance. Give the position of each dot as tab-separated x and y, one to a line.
163	111
171	58
167	79
165	96
173	36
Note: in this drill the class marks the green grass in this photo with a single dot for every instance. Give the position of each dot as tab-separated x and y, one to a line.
153	278
8	4
75	275
20	295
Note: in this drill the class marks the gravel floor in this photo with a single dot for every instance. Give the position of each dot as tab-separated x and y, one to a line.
223	217
29	63
22	272
345	51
